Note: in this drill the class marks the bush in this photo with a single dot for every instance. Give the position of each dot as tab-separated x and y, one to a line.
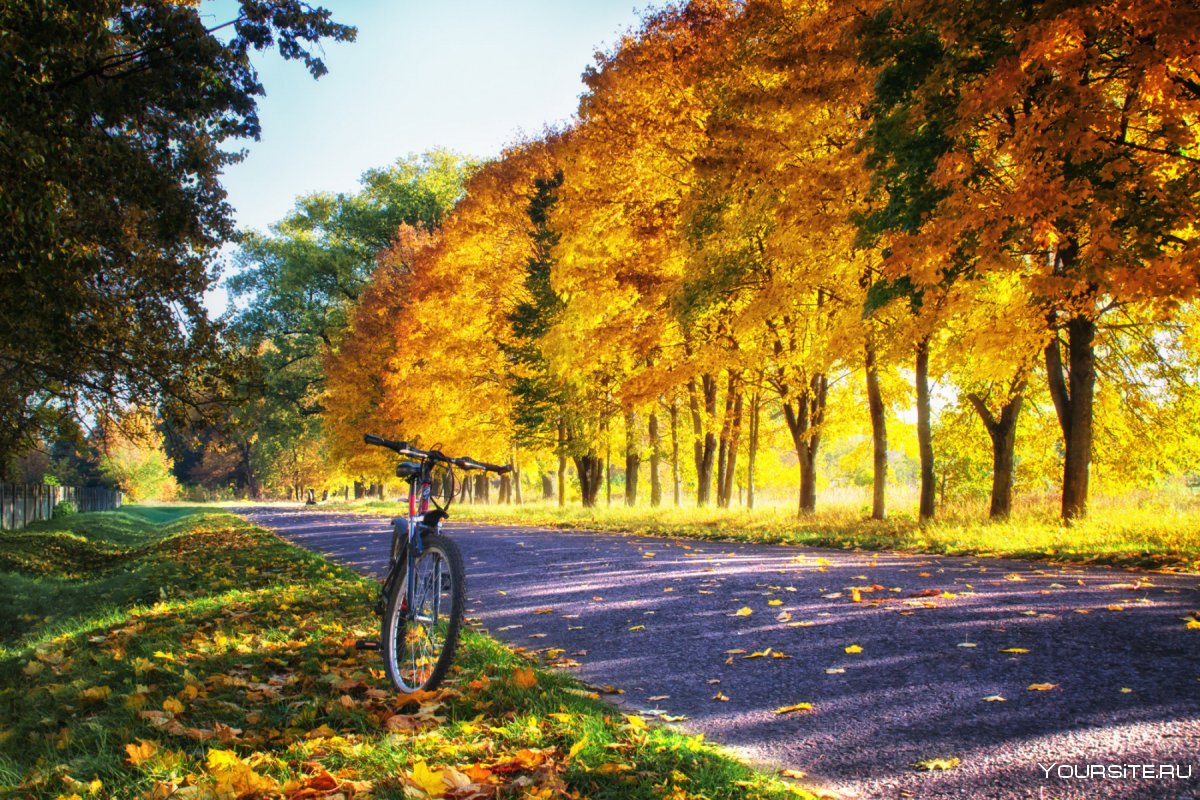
64	508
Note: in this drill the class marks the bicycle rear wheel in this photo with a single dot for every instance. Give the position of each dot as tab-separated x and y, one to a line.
418	643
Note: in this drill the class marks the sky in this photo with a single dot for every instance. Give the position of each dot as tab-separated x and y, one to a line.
468	75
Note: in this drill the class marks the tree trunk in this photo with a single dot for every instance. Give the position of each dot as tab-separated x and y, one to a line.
925	432
505	494
735	438
804	414
878	436
1003	432
547	486
704	440
723	446
676	480
591	472
562	463
752	456
655	459
516	476
482	488
633	459
608	478
1073	390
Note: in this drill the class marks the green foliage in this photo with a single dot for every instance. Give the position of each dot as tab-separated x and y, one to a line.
134	461
113	117
298	284
539	398
64	508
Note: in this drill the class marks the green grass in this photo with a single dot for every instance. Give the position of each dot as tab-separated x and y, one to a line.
170	652
1147	533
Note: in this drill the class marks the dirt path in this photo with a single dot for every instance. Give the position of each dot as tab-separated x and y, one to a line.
666	620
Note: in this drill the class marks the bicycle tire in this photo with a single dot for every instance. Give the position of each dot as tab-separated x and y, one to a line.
417	647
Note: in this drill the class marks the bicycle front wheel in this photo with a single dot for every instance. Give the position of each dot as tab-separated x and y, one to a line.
418	642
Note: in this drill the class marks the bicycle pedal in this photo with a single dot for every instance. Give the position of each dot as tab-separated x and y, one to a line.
366	644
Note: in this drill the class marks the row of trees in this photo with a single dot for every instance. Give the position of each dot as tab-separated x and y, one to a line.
769	213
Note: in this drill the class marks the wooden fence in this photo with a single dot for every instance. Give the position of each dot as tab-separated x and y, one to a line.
22	503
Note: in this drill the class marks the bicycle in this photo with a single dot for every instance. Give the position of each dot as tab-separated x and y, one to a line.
422	597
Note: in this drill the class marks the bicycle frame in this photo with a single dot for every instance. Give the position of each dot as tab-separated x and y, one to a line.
407	546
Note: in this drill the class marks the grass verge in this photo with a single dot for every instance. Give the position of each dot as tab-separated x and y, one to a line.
1147	538
191	655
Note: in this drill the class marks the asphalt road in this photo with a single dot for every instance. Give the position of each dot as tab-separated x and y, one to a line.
659	618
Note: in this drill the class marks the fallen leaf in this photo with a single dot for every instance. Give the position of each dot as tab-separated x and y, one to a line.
834	671
930	764
794	774
793	708
994	698
721	696
524	678
744	611
1041	687
427	780
141	752
1014	650
854	649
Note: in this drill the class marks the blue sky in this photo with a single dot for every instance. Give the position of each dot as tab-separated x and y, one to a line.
469	75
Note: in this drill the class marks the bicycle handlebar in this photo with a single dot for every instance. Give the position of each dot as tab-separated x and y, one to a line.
403	449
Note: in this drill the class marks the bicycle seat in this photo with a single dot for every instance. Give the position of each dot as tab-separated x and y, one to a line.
406	469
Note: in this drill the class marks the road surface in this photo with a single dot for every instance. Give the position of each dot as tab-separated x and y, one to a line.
903	657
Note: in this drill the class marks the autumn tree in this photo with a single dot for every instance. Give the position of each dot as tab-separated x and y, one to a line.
1067	160
623	254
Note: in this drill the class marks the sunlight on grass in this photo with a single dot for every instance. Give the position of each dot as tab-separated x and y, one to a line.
1152	532
207	658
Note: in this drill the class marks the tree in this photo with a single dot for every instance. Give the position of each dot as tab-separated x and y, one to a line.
301	283
1067	158
113	117
133	457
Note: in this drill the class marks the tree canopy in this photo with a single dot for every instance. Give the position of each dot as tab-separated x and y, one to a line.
114	123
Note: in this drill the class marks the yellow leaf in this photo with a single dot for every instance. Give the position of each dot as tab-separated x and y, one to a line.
794	774
774	602
141	752
1042	687
577	748
427	780
524	678
759	654
937	763
994	698
172	705
793	708
744	611
638	628
721	696
635	722
1014	650
96	693
854	649
1193	624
